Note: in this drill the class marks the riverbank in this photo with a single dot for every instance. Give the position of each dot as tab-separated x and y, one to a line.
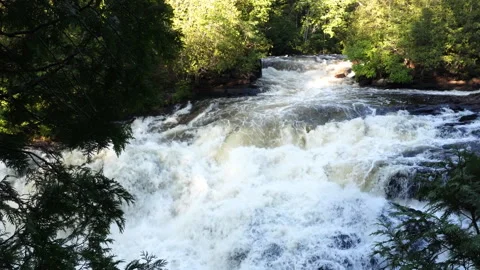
233	84
238	84
437	83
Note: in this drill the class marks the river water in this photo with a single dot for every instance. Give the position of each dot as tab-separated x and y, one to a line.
292	178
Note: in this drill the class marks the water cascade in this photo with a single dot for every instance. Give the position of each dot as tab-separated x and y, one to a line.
292	178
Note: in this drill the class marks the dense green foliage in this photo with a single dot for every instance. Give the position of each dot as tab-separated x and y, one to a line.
324	25
219	35
402	40
70	71
307	26
73	71
74	66
225	35
443	235
64	222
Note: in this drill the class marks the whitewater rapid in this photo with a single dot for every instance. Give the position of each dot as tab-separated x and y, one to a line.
292	178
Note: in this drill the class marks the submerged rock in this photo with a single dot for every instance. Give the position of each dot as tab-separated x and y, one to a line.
468	118
237	257
346	241
273	252
343	72
401	185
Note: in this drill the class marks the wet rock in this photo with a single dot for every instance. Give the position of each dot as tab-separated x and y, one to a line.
347	264
319	263
322	57
372	264
196	110
331	261
326	267
468	118
242	91
281	64
257	72
416	151
212	84
235	91
345	241
363	81
237	257
401	185
451	149
424	109
342	72
273	252
434	82
380	82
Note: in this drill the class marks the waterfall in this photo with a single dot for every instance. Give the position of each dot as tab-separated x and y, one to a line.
292	178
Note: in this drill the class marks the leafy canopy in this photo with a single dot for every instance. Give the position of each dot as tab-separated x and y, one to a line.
219	35
401	40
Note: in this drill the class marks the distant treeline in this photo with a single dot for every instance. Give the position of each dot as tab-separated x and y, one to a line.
397	40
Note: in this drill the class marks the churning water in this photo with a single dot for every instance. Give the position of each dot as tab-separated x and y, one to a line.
292	178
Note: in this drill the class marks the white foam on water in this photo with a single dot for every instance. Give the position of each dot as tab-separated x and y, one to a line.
251	190
282	207
256	209
250	183
432	92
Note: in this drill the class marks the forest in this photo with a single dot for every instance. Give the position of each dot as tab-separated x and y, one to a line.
74	73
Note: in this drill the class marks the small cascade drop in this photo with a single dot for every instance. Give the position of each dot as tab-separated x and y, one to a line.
292	178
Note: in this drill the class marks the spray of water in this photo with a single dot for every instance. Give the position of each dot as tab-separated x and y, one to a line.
293	178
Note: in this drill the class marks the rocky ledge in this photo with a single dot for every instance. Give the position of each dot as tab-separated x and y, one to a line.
427	83
229	83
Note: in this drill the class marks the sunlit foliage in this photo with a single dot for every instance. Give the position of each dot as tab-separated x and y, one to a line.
219	35
402	40
324	24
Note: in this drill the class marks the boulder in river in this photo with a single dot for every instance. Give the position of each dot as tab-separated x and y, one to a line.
380	82
345	241
468	118
401	185
342	72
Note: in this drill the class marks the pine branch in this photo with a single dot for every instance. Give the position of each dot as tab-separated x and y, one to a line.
40	26
474	222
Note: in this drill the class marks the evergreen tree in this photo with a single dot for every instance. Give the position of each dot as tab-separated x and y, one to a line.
71	72
444	235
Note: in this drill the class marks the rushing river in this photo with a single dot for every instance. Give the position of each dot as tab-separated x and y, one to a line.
292	178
